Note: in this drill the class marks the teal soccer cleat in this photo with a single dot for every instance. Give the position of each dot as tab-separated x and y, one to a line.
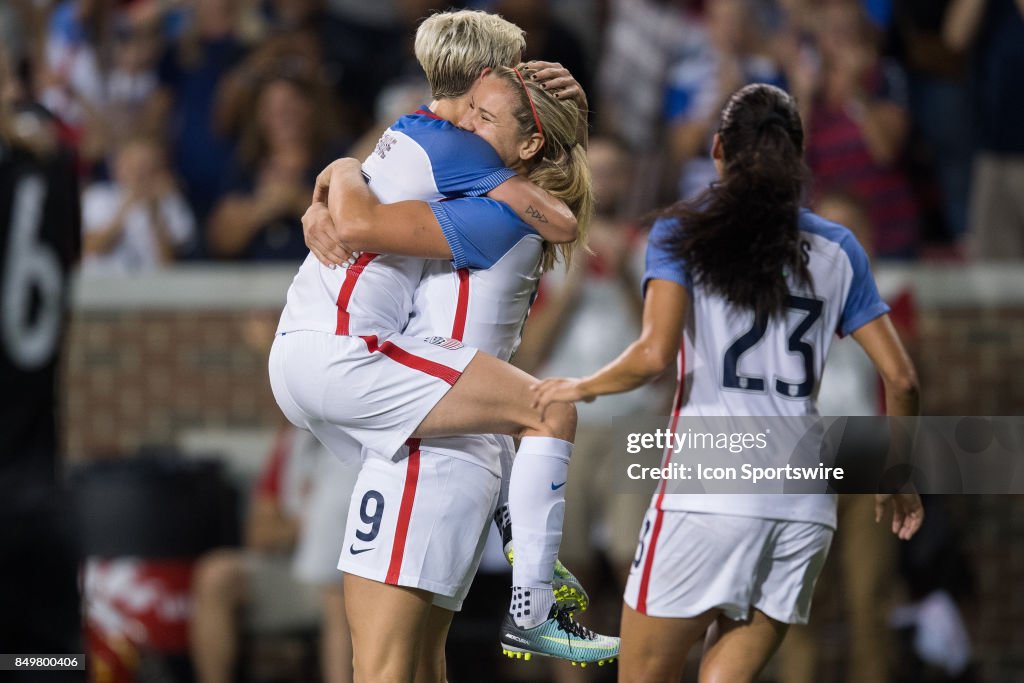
559	637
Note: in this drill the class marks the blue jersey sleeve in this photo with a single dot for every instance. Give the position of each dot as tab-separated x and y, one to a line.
662	264
863	302
479	230
463	164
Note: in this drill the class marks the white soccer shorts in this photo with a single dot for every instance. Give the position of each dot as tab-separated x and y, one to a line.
362	391
688	562
420	522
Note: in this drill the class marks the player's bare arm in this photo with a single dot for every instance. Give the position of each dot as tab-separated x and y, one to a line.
357	216
902	397
318	227
549	216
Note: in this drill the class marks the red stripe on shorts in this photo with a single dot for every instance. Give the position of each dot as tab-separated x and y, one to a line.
462	307
412	475
345	295
645	578
410	360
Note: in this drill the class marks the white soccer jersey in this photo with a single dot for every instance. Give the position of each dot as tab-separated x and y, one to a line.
420	157
480	299
730	364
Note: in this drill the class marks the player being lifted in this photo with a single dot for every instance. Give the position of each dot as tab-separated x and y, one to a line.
340	367
747	289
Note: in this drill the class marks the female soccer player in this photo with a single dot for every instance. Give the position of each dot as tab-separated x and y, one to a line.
353	384
420	512
746	288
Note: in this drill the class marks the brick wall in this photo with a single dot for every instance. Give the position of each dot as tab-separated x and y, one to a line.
148	359
137	377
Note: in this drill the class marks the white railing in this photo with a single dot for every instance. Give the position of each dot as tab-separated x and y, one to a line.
247	287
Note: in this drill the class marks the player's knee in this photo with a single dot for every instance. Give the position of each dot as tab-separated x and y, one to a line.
221	574
560	421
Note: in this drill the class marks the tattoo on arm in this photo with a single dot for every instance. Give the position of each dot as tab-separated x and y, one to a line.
536	215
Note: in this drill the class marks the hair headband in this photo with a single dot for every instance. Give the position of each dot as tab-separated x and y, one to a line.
536	119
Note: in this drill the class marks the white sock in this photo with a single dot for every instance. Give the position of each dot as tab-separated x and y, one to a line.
531	606
536	498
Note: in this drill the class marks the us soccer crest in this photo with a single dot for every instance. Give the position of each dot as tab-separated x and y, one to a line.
444	342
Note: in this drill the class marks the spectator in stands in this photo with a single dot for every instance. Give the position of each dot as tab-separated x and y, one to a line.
132	80
940	108
733	54
854	112
993	31
140	220
380	28
642	39
293	53
268	586
286	141
76	60
310	22
214	40
549	39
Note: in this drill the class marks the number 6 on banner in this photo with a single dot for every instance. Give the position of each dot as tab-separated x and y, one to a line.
31	266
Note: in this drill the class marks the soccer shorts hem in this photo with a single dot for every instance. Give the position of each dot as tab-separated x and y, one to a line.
354	391
688	563
420	522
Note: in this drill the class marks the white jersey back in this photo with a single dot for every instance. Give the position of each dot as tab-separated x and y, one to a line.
420	157
733	365
484	307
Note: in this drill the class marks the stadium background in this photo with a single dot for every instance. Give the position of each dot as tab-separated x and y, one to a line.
164	359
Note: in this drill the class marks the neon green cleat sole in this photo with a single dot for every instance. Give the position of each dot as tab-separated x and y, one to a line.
527	656
570	596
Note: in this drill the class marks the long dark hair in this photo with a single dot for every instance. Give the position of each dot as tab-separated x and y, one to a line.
740	238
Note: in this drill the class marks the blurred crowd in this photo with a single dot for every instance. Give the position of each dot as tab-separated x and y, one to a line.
199	126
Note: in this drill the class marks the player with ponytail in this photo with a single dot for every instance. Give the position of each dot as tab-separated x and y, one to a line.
745	289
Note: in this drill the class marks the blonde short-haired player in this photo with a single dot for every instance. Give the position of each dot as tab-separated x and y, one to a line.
747	290
341	367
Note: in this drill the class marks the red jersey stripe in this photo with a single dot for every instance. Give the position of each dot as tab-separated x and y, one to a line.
345	295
